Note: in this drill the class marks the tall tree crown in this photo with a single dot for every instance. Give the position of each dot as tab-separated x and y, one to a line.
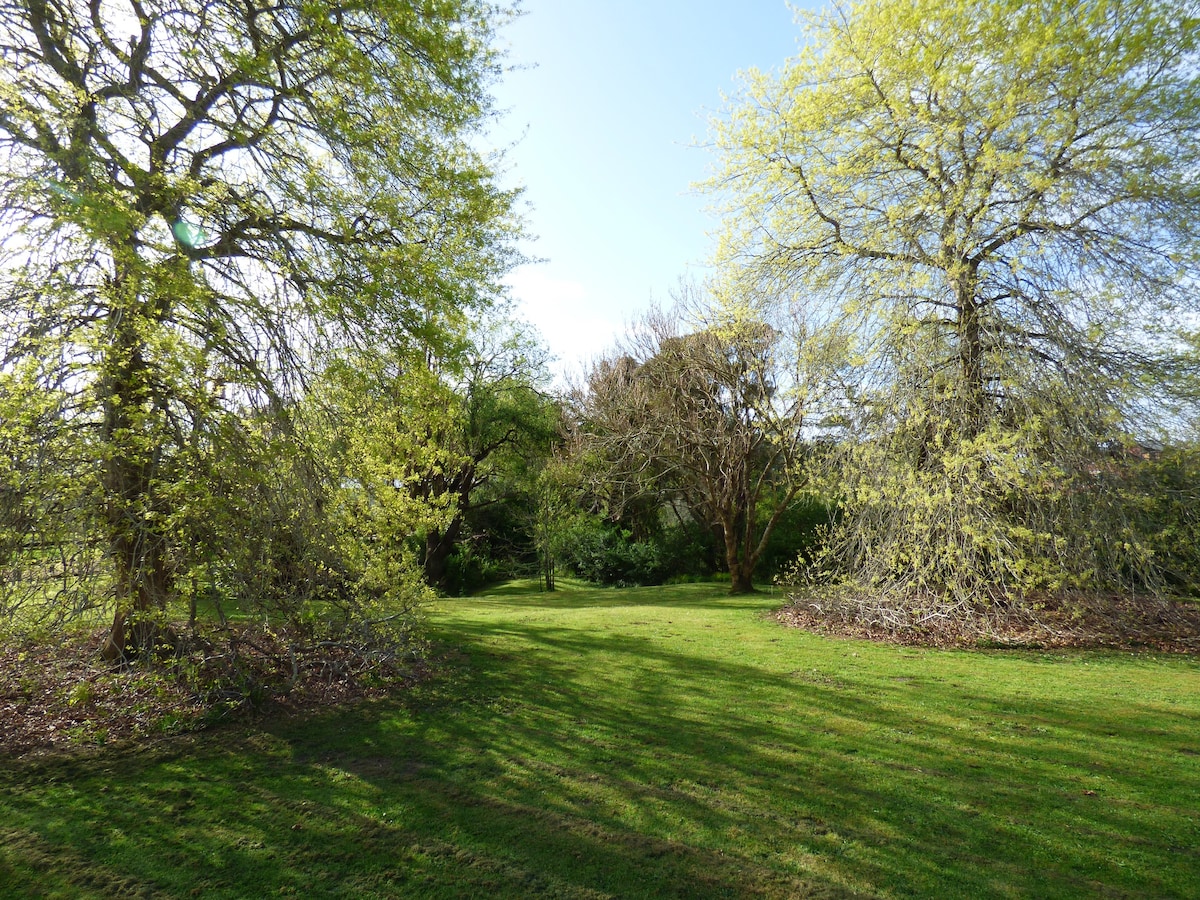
315	152
1025	174
989	207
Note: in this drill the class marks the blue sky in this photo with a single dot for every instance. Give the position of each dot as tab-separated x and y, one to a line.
607	111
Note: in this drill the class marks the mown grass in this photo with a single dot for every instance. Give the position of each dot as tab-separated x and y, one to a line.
668	742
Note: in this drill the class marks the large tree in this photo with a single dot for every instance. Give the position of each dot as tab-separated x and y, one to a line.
198	193
711	417
992	204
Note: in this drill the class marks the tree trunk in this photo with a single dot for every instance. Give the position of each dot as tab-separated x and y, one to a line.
137	546
438	547
741	570
741	581
970	349
143	585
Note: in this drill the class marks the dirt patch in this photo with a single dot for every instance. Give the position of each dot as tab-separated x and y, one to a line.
1122	623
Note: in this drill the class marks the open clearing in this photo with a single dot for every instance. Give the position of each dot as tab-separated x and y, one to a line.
660	742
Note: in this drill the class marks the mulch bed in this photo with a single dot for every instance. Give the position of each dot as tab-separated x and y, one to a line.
62	696
1080	622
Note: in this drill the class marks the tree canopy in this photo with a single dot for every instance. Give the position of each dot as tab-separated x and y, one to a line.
198	195
433	438
712	416
992	205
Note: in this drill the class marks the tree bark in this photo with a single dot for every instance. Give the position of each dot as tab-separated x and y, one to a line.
970	348
741	581
741	569
138	549
438	547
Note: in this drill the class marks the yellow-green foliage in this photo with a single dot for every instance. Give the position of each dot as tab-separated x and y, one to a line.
987	207
47	490
178	289
987	517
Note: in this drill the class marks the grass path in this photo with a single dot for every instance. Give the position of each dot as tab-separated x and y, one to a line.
666	742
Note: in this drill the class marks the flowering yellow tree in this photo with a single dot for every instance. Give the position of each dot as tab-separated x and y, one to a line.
992	204
197	196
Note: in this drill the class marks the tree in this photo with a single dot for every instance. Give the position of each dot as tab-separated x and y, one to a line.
503	424
551	517
46	501
499	428
197	195
713	416
429	440
991	204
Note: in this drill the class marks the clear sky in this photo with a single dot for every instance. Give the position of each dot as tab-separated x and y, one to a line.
608	114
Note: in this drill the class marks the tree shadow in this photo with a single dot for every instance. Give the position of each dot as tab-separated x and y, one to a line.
908	800
545	760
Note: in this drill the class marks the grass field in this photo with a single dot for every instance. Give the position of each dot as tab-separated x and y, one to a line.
662	742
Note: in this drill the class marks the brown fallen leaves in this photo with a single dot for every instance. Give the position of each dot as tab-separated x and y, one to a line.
1119	623
60	695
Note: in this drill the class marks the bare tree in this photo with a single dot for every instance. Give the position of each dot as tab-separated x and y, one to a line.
713	417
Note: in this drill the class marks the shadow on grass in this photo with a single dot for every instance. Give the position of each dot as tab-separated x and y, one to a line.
890	786
554	761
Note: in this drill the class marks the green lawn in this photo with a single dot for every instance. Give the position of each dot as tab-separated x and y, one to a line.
663	742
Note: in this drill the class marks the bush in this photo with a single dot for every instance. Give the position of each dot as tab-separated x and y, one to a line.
468	570
797	535
603	554
1163	513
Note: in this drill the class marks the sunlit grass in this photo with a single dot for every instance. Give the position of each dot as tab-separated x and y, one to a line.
653	743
